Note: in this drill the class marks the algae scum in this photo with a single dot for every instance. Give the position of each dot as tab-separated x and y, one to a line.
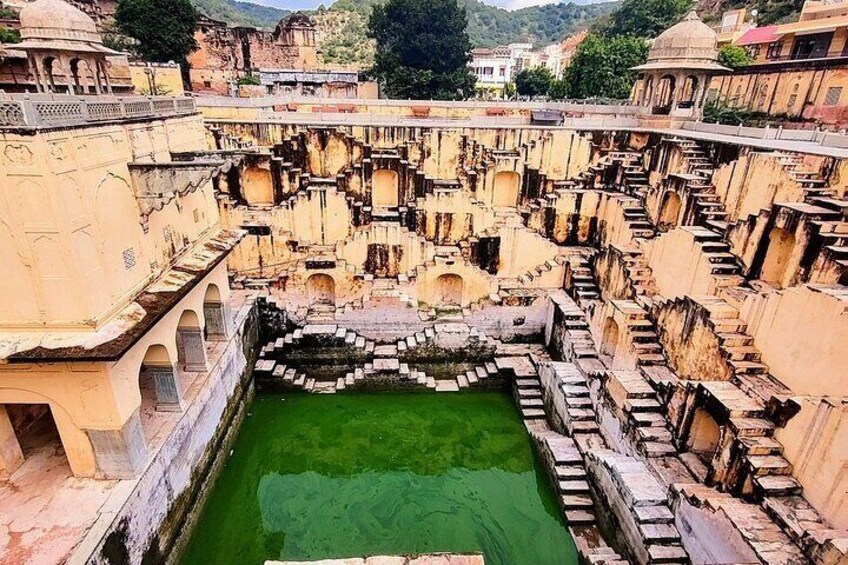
316	477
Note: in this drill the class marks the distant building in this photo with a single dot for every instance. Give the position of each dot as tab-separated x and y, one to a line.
799	69
497	67
285	61
61	52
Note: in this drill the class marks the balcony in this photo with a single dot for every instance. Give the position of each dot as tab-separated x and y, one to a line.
56	110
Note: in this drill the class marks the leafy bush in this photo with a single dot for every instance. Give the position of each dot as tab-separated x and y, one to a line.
601	67
733	57
533	82
249	80
9	35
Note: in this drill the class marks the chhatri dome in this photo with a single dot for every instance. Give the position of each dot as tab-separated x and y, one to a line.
689	44
56	25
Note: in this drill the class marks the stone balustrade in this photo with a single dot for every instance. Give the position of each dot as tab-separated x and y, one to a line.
38	111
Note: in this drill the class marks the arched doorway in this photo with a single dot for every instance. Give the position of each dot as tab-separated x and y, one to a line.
649	92
29	431
704	435
689	94
384	189
609	340
669	211
158	385
776	262
665	95
215	314
448	290
321	289
258	187
191	348
506	189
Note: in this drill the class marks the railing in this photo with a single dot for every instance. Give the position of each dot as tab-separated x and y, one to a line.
823	138
49	110
589	106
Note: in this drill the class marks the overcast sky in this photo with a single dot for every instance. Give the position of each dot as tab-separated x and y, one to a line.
508	4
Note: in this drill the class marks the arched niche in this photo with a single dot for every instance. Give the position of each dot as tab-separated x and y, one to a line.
776	263
384	189
704	435
321	289
506	189
191	347
448	291
669	211
609	340
258	186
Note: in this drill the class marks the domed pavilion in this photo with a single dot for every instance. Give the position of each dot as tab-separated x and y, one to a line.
64	49
680	63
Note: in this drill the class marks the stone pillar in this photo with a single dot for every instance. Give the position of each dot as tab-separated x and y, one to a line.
190	344
120	454
106	77
40	77
168	395
11	456
217	316
69	74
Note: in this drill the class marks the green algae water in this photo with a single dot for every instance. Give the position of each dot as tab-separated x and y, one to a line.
317	477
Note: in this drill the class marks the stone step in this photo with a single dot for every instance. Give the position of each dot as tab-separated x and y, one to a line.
471	376
529	393
574	391
763	465
531	403
657	449
573	487
653	514
641	405
528	383
532	414
581	414
584	427
462	381
447	386
569	472
777	485
648	419
578	402
667	554
656	433
659	533
579	518
758	445
576	501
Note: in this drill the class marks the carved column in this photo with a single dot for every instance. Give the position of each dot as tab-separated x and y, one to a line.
217	316
11	456
120	454
168	395
190	344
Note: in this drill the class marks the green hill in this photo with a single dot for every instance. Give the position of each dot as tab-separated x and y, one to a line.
241	13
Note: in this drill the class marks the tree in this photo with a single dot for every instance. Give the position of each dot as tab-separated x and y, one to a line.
733	57
533	82
163	29
558	90
643	18
601	66
422	49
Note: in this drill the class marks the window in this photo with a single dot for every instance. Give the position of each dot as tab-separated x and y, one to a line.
129	259
834	93
488	71
196	213
207	84
792	100
503	71
774	50
754	51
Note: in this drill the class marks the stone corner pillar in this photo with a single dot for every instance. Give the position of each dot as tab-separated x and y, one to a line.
191	345
218	325
11	456
122	453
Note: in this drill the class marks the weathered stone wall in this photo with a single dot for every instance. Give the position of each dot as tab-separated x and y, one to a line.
148	514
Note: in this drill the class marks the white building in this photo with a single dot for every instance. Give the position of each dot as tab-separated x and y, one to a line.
497	67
